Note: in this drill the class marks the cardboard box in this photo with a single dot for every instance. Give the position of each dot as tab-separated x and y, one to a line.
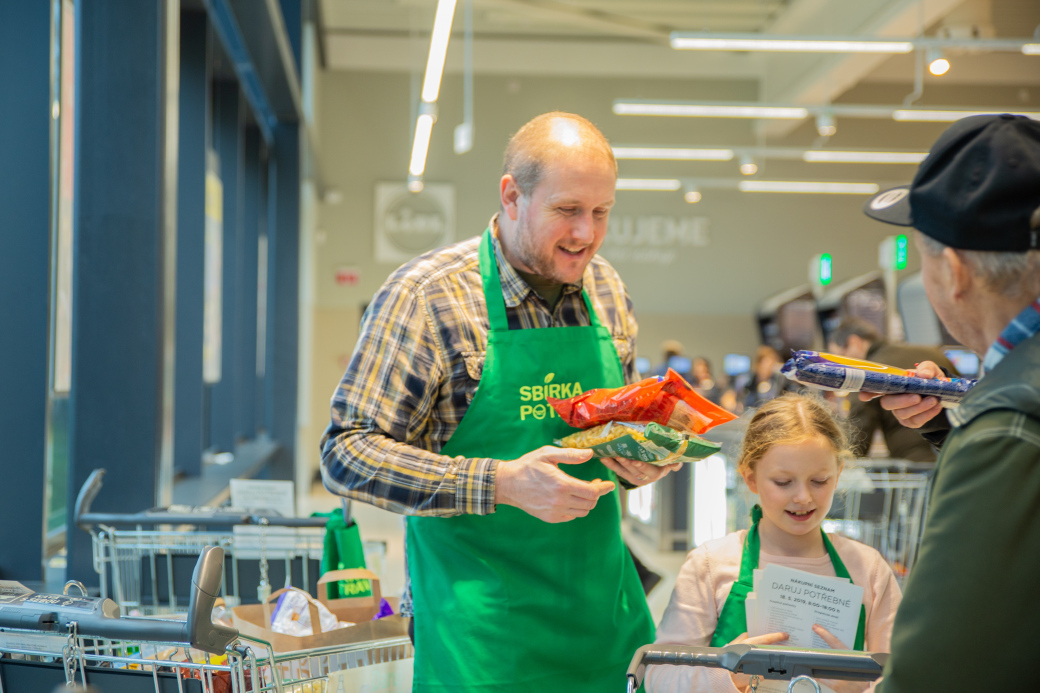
254	620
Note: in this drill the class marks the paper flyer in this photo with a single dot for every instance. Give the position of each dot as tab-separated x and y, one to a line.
792	601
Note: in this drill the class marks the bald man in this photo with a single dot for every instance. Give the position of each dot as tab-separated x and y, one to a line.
519	579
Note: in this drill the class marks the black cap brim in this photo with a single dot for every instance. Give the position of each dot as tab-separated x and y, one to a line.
891	206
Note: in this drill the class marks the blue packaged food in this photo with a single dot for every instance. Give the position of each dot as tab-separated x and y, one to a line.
830	372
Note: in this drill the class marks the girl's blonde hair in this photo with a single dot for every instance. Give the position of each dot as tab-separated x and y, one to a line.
791	419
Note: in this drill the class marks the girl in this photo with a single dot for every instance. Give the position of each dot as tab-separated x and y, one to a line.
792	455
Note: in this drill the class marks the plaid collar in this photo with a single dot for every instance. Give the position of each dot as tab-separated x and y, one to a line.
1024	326
514	289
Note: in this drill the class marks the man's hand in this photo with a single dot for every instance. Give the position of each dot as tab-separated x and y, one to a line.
635	472
913	411
535	484
742	681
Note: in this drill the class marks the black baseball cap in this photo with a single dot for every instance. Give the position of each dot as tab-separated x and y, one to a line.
976	190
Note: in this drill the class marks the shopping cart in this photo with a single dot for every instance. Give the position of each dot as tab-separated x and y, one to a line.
145	559
765	662
884	506
51	640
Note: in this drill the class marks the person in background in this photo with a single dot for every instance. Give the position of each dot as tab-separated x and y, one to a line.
859	339
672	357
766	382
791	457
704	381
975	206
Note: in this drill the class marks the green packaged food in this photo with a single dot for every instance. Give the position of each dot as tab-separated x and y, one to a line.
652	443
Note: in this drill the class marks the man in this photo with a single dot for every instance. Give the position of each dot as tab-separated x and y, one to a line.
858	339
974	588
765	381
672	357
519	579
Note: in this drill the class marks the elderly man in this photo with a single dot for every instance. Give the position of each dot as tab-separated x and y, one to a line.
519	578
974	588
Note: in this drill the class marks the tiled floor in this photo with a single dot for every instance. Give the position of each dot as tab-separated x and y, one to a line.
381	525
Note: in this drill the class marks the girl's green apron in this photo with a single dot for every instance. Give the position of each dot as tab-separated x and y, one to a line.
507	602
733	619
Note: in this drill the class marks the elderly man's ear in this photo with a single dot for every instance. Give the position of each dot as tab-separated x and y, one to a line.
957	277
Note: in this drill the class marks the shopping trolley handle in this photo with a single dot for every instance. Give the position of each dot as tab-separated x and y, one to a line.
769	662
86	497
99	618
210	517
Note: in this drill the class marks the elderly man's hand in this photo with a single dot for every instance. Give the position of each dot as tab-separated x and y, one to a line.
635	472
535	484
913	411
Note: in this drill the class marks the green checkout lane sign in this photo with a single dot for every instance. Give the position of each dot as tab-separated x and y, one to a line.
821	269
901	252
892	254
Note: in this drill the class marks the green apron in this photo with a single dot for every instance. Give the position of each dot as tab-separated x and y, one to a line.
733	619
506	602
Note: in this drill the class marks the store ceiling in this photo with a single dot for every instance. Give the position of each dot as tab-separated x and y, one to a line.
630	38
650	20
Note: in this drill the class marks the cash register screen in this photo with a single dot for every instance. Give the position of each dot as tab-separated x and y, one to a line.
966	362
735	364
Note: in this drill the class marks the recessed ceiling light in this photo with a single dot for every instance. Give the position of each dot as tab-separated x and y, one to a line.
829	156
696	110
676	153
648	184
785	186
800	44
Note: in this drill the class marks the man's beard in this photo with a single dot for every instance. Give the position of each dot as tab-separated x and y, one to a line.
529	254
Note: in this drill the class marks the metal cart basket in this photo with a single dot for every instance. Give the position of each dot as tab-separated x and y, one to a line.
51	640
884	506
43	662
145	559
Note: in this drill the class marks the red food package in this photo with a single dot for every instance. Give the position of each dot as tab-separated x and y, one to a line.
669	401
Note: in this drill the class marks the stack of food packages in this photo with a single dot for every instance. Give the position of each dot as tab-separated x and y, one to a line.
656	420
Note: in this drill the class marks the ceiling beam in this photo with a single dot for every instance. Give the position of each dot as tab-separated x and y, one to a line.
810	78
545	57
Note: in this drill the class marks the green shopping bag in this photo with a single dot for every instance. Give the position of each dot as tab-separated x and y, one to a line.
343	551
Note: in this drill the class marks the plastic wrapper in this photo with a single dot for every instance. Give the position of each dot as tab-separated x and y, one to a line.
831	372
222	614
652	443
292	615
669	401
384	610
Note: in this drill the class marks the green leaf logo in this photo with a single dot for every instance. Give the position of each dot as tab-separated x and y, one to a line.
549	377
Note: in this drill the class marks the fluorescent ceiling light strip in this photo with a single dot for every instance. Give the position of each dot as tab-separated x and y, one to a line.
438	50
1031	49
799	45
423	128
824	155
648	184
673	153
785	186
710	110
944	116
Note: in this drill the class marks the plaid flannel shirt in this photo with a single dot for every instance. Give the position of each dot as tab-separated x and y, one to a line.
1025	325
417	365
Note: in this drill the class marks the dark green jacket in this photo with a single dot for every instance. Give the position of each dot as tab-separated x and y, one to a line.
970	614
